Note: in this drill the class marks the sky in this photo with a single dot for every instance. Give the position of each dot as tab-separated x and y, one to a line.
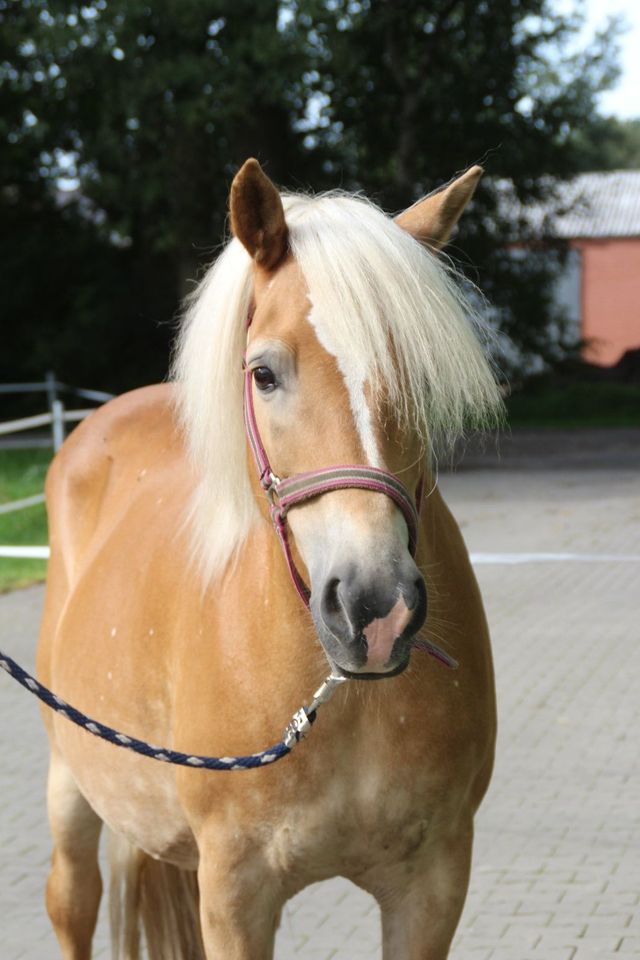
623	100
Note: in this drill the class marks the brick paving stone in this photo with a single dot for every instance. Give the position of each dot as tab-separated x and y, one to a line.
587	953
508	953
630	945
557	861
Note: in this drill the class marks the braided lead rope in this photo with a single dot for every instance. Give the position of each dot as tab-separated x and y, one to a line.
296	729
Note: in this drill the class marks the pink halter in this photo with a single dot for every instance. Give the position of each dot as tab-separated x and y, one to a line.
286	493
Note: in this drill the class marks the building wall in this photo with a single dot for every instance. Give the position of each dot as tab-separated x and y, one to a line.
610	297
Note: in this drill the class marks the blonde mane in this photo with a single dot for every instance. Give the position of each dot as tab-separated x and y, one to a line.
371	285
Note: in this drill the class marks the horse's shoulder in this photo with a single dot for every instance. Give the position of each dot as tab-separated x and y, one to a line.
120	419
100	466
113	434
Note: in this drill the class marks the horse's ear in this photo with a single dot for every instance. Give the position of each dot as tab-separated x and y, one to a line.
257	215
432	219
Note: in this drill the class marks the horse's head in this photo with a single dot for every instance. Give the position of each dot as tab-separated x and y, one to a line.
334	383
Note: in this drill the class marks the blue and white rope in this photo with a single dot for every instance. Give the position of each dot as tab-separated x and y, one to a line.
297	728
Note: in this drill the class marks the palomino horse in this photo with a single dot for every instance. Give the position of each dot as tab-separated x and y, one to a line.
170	613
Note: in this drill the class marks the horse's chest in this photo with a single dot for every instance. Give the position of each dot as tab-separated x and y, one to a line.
349	827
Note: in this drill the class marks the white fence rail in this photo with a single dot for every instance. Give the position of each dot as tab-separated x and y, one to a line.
98	395
21	504
56	417
25	553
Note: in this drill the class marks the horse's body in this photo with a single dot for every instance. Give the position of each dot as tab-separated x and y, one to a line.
382	792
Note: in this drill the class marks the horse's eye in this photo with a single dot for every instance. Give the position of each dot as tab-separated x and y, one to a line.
264	379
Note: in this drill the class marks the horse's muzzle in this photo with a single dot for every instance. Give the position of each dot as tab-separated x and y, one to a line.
367	624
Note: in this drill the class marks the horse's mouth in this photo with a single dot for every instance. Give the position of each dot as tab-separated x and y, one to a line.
356	675
349	661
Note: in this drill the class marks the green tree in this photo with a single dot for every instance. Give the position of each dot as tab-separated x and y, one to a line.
608	143
149	106
410	92
158	103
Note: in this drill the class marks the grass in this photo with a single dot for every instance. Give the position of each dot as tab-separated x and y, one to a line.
575	404
22	474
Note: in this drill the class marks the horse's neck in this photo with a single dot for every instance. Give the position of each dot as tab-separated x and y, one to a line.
440	537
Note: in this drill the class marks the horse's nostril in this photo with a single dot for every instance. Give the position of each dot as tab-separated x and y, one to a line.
419	603
331	601
334	612
414	593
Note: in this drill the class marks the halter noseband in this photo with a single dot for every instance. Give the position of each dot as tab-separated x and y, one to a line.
289	491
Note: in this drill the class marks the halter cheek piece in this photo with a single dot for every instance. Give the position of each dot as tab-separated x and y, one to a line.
286	493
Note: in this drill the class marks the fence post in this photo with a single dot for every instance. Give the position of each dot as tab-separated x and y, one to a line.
52	399
57	423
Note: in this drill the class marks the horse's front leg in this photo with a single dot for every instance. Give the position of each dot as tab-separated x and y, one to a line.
74	886
421	900
240	900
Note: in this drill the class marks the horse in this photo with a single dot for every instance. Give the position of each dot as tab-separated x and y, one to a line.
170	612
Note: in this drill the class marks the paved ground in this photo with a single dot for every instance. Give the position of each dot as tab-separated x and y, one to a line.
557	858
551	448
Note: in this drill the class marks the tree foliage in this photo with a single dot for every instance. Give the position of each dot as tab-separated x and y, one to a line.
148	106
607	143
